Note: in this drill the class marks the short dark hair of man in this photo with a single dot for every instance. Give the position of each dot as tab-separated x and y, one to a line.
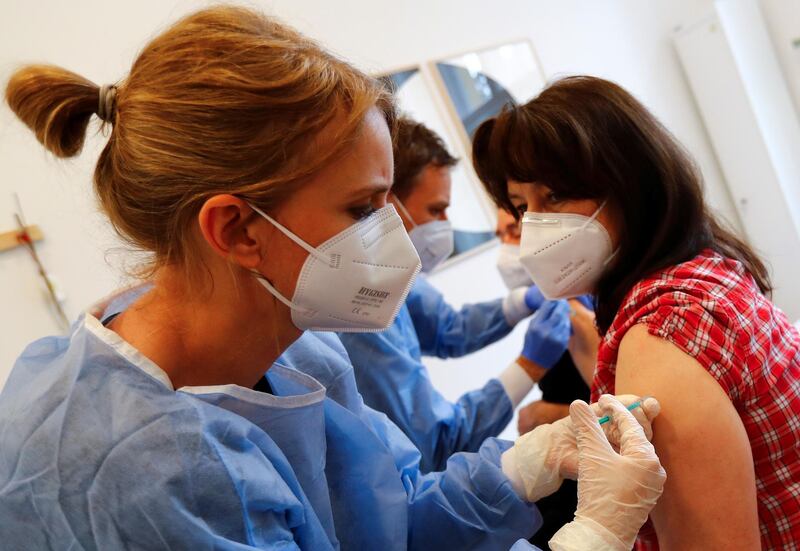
415	147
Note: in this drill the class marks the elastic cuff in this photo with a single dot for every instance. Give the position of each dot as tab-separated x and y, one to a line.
516	382
508	464
531	457
584	533
514	308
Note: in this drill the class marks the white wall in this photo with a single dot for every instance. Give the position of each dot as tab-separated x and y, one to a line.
625	40
783	18
733	70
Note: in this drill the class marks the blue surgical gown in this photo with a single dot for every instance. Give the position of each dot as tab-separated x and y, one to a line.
99	452
446	332
392	379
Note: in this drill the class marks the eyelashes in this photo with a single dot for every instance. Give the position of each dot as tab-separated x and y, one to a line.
550	199
361	212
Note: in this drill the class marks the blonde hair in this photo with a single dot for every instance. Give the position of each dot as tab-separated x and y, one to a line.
227	100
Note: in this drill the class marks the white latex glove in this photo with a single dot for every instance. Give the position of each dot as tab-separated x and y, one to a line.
616	491
541	460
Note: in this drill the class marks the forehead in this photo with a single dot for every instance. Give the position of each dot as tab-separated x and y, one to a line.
523	189
434	182
366	162
516	189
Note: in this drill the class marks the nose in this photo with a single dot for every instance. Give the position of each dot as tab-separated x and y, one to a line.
383	199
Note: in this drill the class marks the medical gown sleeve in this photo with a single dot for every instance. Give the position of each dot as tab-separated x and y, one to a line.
446	332
468	505
392	380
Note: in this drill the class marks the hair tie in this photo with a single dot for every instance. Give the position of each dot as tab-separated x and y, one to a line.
105	105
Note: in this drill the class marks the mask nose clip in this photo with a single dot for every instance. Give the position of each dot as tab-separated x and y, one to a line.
562	257
547	222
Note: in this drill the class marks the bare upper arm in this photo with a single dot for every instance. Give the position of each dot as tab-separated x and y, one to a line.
709	499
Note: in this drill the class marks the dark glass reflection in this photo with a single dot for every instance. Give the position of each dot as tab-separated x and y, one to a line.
475	97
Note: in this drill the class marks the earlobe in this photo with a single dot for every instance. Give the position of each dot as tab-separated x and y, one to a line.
228	227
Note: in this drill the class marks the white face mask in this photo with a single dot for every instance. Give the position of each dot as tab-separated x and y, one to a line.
513	273
565	254
357	280
433	240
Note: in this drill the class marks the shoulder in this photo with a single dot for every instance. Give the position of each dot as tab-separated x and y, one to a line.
400	334
205	468
109	430
705	307
422	291
708	293
179	439
325	343
421	285
708	279
48	355
320	354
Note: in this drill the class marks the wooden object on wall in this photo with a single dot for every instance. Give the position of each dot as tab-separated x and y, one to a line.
11	239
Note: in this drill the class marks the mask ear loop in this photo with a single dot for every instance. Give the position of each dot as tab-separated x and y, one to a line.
591	219
311	250
275	335
277	294
610	258
404	210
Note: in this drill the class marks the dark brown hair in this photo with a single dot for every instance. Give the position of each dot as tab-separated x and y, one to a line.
226	100
587	138
415	147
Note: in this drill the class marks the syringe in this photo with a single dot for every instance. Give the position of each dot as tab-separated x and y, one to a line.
606	418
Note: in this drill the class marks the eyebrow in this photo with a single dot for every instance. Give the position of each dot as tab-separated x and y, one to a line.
369	190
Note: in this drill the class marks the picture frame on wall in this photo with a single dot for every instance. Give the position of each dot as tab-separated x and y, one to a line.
452	96
479	84
418	97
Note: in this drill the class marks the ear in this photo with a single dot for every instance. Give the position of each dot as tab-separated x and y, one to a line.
230	227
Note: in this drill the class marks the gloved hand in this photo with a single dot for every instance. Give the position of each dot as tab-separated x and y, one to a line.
521	303
548	334
587	301
538	413
616	491
548	454
534	298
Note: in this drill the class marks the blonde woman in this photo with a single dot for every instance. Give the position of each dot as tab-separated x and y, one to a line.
254	167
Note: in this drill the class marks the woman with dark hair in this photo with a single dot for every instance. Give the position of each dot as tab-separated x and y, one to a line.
612	204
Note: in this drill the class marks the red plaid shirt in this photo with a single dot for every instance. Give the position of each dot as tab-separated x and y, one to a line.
711	309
